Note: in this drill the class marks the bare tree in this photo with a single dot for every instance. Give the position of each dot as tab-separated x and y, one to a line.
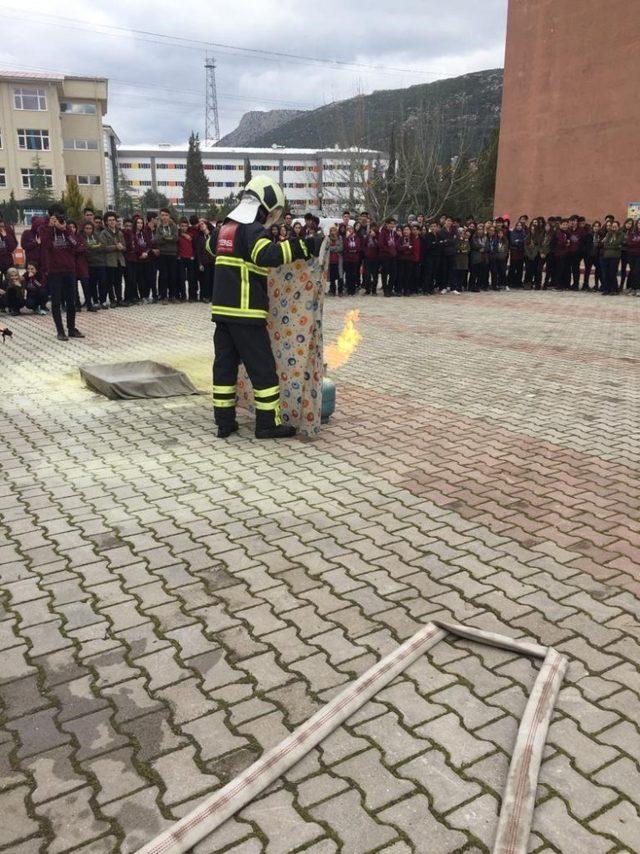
434	164
428	166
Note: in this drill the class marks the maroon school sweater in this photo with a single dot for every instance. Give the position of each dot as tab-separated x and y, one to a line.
59	248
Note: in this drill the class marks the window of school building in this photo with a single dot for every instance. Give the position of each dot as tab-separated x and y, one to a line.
33	139
29	99
88	180
77	108
28	175
3	177
80	144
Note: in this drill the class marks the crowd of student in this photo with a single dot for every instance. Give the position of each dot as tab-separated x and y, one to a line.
447	256
119	263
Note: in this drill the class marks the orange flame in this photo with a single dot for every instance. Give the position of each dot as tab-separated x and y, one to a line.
337	354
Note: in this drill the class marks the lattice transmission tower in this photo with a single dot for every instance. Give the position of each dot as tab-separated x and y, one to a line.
211	123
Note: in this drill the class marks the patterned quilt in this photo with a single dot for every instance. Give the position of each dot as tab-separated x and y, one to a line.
295	327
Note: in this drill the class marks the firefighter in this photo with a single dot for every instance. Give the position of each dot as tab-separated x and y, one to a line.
240	307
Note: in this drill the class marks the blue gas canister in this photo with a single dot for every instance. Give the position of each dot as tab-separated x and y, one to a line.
328	399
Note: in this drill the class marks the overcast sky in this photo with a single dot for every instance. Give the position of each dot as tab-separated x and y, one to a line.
156	87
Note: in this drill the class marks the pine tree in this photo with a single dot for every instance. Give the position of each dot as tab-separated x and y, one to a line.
227	205
247	171
195	192
40	190
152	200
12	209
123	200
73	200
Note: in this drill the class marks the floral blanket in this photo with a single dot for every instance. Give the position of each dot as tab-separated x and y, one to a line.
295	327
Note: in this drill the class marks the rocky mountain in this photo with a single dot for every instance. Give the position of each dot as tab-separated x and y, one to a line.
255	124
468	105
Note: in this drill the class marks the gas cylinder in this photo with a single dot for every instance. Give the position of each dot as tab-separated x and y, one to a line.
328	399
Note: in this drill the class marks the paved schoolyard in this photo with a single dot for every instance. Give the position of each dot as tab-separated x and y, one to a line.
172	605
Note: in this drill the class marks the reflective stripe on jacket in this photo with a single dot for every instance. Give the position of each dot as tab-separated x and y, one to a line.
244	254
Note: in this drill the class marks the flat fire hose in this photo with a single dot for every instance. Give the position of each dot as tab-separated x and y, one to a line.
514	822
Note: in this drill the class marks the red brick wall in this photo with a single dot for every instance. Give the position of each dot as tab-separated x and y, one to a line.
570	127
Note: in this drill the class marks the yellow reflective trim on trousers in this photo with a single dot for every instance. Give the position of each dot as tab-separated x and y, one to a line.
224	389
266	392
259	246
244	288
274	404
224	404
230	311
287	254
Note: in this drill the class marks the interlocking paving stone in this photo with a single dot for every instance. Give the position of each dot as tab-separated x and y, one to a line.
281	823
73	820
174	605
444	785
553	822
621	821
357	830
12	803
414	818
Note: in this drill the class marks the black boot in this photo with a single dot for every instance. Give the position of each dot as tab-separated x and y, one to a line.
225	430
279	431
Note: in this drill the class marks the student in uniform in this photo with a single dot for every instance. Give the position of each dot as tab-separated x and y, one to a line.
447	240
150	233
416	260
611	250
479	260
36	294
334	252
532	253
94	255
166	242
205	260
187	287
351	259
371	253
632	247
498	255
8	243
574	254
591	255
517	238
82	271
561	249
113	246
432	256
405	262
14	291
625	260
388	249
143	264
59	248
463	249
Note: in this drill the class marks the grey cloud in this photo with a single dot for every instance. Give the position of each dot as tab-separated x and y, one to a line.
445	39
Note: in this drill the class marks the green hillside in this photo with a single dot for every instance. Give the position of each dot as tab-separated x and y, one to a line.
467	106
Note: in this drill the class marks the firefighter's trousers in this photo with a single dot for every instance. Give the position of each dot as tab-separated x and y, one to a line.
243	342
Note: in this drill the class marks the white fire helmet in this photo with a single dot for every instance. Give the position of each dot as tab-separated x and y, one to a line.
260	191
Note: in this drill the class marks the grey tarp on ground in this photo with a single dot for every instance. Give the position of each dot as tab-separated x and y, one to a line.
130	380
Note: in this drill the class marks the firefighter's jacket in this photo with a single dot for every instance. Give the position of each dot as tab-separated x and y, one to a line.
244	254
